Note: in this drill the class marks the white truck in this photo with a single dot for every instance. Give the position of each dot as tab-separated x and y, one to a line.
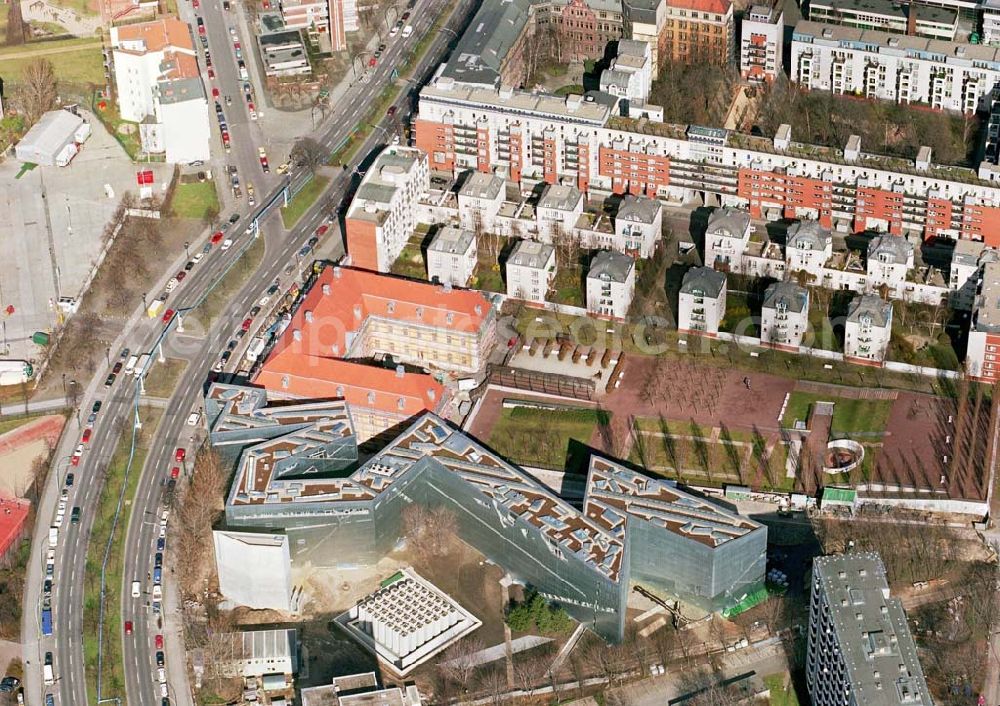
47	676
53	537
130	365
15	372
255	348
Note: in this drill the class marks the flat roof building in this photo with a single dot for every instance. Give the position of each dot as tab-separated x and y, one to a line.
53	140
359	690
860	650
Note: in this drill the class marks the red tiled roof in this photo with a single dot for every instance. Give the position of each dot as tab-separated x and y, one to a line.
158	34
313	377
719	7
177	65
357	294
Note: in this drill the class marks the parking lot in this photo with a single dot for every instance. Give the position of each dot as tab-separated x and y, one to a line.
51	222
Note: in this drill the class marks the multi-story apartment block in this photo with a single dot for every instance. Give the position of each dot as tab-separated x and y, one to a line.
808	246
630	529
610	285
991	21
582	28
890	259
701	304
700	31
638	225
915	19
479	200
982	357
325	21
159	86
860	650
784	316
762	41
965	275
451	256
867	329
557	211
352	313
905	69
531	268
532	137
383	213
630	75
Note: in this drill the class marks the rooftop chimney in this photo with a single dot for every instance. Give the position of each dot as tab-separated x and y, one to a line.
336	272
326	289
431	395
309	316
400	371
296	334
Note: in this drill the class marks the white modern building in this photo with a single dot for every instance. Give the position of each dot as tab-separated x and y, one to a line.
264	583
159	86
406	622
916	19
762	41
808	247
557	211
860	650
784	316
890	259
982	356
359	690
54	140
451	256
479	200
630	75
991	22
901	68
610	285
965	273
326	21
531	268
383	213
638	225
701	304
867	329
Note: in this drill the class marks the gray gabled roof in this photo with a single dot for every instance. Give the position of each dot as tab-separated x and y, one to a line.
703	282
52	131
481	185
730	222
560	197
787	294
638	209
611	265
482	47
871	306
452	240
808	235
897	248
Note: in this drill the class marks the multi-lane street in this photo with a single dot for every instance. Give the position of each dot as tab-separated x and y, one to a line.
119	403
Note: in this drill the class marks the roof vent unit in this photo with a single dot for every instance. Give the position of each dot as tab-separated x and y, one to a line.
296	334
400	371
336	272
309	316
326	289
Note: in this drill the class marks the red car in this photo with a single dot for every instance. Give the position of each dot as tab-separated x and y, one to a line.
246	324
179	455
159	642
211	73
373	62
217	237
195	4
86	436
180	276
175	472
168	315
322	229
128	627
215	92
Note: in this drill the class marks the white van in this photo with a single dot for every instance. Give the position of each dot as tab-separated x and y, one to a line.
47	675
53	537
136	589
157	592
130	365
407	30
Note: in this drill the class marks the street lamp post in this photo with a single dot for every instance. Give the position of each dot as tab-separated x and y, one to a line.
144	307
107	354
187	254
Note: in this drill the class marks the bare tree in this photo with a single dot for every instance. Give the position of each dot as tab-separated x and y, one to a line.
567	246
459	663
431	531
309	153
37	89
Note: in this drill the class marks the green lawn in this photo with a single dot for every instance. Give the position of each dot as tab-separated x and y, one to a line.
113	679
541	437
213	304
487	278
302	201
163	377
196	200
781	695
410	262
82	61
849	416
573	88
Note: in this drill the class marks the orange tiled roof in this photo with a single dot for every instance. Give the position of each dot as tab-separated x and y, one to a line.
357	294
719	7
316	377
177	65
158	34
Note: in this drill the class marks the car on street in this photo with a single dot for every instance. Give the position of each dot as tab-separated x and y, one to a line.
180	276
215	92
75	458
97	407
69	480
226	355
175	472
282	168
194	418
378	54
8	684
180	454
391	112
246	324
304	251
117	367
381	47
128	627
74	516
393	31
158	641
232	344
312	241
211	73
217	237
161	544
110	380
234	219
168	315
91	419
86	436
226	244
321	231
159	658
189	265
124	354
158	560
136	589
264	300
254	310
262	156
373	62
172	284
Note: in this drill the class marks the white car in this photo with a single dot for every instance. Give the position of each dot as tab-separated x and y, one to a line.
172	284
194	418
161	675
198	258
164	691
136	589
227	243
264	300
253	114
232	31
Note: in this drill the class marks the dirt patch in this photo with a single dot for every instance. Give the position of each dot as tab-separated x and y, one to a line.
19	449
